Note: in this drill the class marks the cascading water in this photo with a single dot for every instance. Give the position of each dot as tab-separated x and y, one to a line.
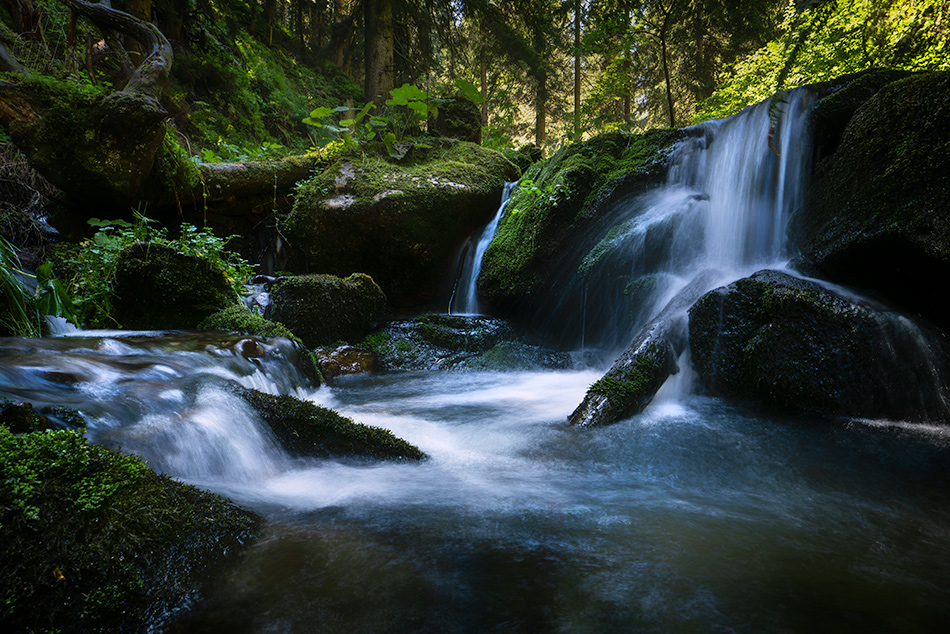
696	516
464	300
731	188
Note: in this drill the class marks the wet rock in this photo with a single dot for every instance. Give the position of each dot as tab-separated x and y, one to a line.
20	418
306	429
795	345
399	222
325	309
633	380
345	360
454	342
547	228
157	288
876	215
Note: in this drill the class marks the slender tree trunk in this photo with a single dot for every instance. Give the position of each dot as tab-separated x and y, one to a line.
664	36
577	70
378	21
483	68
628	25
540	116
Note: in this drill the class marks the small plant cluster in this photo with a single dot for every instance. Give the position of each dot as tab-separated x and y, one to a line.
26	297
404	114
96	260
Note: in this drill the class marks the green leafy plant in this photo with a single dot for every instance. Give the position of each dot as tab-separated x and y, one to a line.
404	112
27	297
96	260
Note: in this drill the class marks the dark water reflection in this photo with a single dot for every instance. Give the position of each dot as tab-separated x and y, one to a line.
693	517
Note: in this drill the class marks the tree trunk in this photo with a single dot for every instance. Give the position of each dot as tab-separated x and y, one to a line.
577	70
378	21
628	25
483	74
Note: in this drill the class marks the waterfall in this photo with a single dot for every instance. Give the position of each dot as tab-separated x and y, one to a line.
730	189
464	300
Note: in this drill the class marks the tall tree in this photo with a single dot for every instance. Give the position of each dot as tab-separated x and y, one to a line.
378	60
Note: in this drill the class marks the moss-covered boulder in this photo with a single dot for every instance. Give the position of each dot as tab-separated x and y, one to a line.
550	224
93	541
158	288
94	148
239	318
306	429
794	345
397	221
457	342
324	309
878	212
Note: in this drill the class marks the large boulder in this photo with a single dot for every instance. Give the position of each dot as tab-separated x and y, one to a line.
158	288
306	429
877	215
324	309
795	345
400	222
556	221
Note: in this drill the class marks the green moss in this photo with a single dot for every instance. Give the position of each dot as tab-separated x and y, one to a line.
306	429
570	191
629	384
91	540
239	318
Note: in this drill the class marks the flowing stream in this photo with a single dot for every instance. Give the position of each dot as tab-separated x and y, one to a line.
694	516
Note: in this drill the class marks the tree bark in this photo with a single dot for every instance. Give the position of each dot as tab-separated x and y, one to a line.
577	70
378	21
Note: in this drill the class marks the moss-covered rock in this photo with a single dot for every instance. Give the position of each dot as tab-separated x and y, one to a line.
455	342
399	222
549	216
93	541
794	345
93	147
306	429
459	119
324	309
156	287
240	318
878	213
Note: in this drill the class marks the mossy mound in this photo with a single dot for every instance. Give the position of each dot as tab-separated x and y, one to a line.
239	318
793	345
454	342
158	288
95	147
325	309
93	541
549	216
398	221
877	215
306	429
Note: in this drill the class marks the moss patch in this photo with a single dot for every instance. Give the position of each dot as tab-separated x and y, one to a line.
306	429
94	541
567	193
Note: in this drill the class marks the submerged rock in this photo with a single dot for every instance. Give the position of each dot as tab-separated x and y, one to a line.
345	360
876	216
454	342
94	541
399	222
797	346
325	309
158	288
306	429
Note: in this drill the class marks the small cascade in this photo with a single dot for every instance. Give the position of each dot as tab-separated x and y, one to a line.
464	300
162	395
